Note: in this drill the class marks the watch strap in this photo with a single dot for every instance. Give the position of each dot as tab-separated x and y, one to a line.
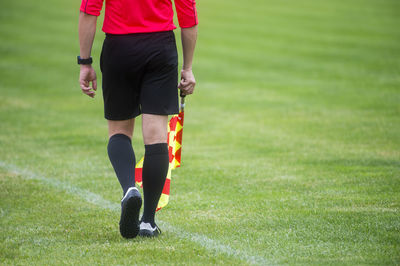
86	61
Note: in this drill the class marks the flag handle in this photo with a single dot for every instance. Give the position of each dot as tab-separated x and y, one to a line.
182	101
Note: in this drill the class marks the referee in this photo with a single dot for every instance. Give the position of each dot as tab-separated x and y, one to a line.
139	63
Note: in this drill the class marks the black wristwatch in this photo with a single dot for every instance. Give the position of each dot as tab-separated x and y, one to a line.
87	61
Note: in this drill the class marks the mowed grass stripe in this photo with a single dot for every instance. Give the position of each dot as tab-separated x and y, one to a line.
302	21
95	199
298	46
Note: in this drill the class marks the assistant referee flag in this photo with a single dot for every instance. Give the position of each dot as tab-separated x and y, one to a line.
175	131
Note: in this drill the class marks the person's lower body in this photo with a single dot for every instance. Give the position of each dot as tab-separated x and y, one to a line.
139	76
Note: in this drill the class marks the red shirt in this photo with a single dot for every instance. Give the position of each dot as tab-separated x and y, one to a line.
134	16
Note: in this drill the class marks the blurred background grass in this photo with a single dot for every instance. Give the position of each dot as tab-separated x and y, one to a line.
291	141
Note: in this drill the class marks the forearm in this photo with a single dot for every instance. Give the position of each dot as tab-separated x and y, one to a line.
189	38
87	31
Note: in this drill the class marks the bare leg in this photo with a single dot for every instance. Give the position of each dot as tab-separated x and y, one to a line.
154	128
121	127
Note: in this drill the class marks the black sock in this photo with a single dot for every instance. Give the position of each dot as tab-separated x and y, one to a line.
122	158
155	170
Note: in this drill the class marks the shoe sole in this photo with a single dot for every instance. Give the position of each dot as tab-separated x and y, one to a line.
129	223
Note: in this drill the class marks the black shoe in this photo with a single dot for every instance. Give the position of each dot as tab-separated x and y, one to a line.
146	230
130	207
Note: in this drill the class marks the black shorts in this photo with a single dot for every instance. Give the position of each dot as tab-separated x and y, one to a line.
140	75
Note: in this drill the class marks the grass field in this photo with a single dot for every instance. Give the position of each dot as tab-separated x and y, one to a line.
291	149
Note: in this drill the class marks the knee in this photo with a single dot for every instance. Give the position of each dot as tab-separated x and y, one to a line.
154	129
154	135
124	127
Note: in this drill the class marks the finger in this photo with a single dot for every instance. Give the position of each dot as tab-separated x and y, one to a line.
83	83
191	89
188	87
89	93
186	90
183	92
184	81
94	83
86	89
182	85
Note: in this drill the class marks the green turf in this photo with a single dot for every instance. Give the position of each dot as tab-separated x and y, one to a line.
291	149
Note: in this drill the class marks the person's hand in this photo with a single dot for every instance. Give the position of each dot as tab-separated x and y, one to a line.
87	75
187	82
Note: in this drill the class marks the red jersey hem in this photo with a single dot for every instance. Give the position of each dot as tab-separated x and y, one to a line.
132	31
89	12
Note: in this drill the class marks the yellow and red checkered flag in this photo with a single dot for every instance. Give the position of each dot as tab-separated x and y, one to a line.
175	130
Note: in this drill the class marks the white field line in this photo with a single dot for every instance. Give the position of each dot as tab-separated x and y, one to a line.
97	200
